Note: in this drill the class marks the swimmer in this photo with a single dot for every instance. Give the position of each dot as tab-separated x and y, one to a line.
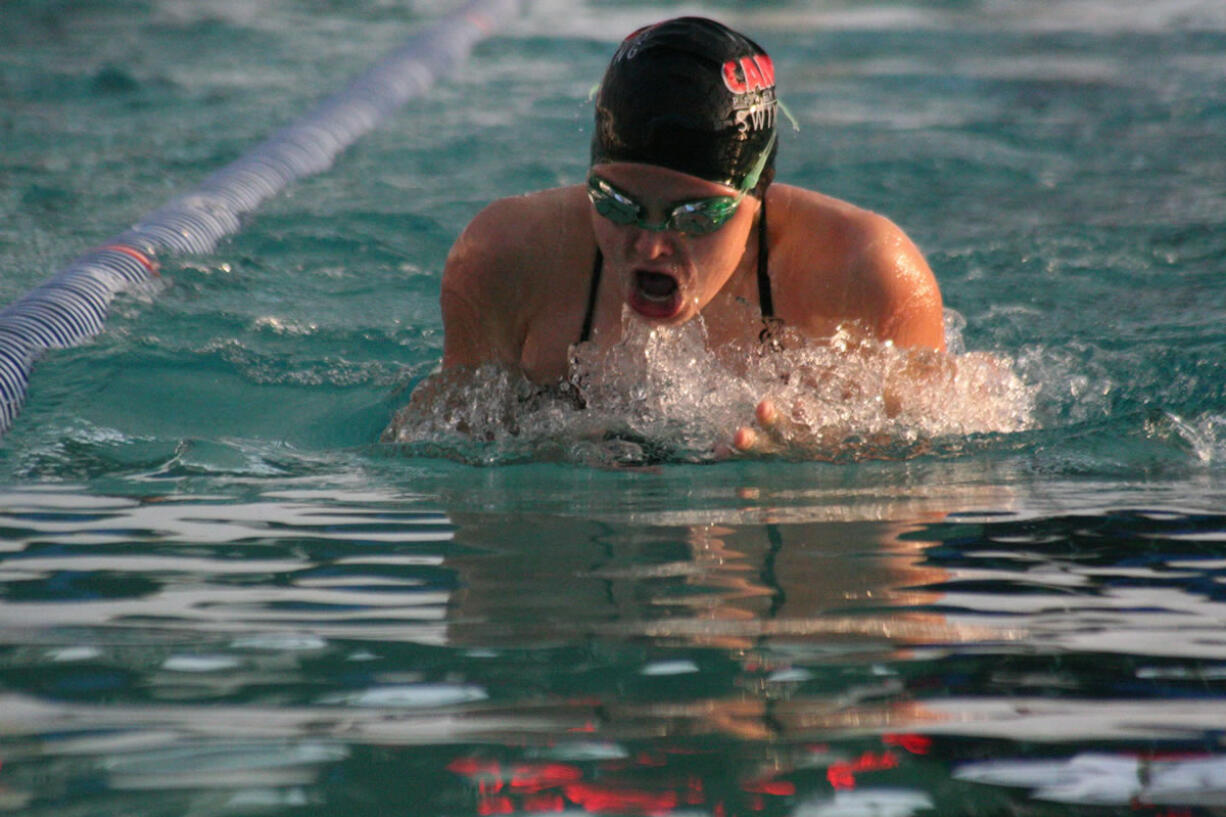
680	217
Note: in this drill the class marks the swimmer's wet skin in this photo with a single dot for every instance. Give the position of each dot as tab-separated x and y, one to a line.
671	225
657	293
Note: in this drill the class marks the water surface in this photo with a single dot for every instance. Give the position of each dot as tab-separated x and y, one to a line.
219	594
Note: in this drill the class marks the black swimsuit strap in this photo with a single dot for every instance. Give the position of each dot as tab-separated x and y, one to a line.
593	289
765	300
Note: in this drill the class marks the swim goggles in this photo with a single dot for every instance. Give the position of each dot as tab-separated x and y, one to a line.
697	217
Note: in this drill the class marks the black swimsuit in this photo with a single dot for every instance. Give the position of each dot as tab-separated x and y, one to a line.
765	301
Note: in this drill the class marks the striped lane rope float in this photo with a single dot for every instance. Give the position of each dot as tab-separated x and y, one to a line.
73	305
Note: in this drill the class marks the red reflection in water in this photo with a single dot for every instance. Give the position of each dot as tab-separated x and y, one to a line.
528	778
915	744
555	787
779	788
474	767
600	799
549	787
540	804
495	805
843	775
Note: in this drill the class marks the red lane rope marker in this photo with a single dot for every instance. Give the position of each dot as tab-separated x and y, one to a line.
145	261
72	306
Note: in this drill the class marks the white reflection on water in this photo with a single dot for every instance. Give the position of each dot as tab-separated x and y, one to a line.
1103	779
868	578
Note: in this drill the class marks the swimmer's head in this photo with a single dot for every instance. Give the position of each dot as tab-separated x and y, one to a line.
691	95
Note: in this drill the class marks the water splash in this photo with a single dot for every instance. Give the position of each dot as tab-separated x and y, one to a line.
1205	435
663	394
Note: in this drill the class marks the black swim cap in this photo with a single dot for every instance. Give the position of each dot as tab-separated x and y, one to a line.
692	95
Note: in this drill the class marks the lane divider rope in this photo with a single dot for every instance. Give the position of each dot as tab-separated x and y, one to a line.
72	306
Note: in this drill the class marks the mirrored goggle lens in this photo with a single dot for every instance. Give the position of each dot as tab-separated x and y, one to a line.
610	205
700	218
616	211
693	218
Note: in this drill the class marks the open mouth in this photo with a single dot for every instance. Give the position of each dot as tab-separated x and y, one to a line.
656	294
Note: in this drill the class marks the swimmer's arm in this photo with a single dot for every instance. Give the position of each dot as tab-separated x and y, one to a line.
436	396
898	293
477	317
470	337
464	349
465	343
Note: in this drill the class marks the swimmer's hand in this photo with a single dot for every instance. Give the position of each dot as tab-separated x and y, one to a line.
814	423
915	387
775	432
768	437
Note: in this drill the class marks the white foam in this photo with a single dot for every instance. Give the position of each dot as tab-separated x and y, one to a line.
661	394
1205	435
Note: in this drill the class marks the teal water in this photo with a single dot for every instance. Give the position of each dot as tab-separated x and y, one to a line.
219	594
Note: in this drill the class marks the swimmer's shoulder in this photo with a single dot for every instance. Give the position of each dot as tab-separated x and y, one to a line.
803	216
507	268
836	254
524	235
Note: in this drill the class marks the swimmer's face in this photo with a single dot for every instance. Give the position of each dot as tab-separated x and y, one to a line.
666	275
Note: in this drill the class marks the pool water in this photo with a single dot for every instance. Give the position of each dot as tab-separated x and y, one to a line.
220	594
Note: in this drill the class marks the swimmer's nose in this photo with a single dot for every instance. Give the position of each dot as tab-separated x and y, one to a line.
653	243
